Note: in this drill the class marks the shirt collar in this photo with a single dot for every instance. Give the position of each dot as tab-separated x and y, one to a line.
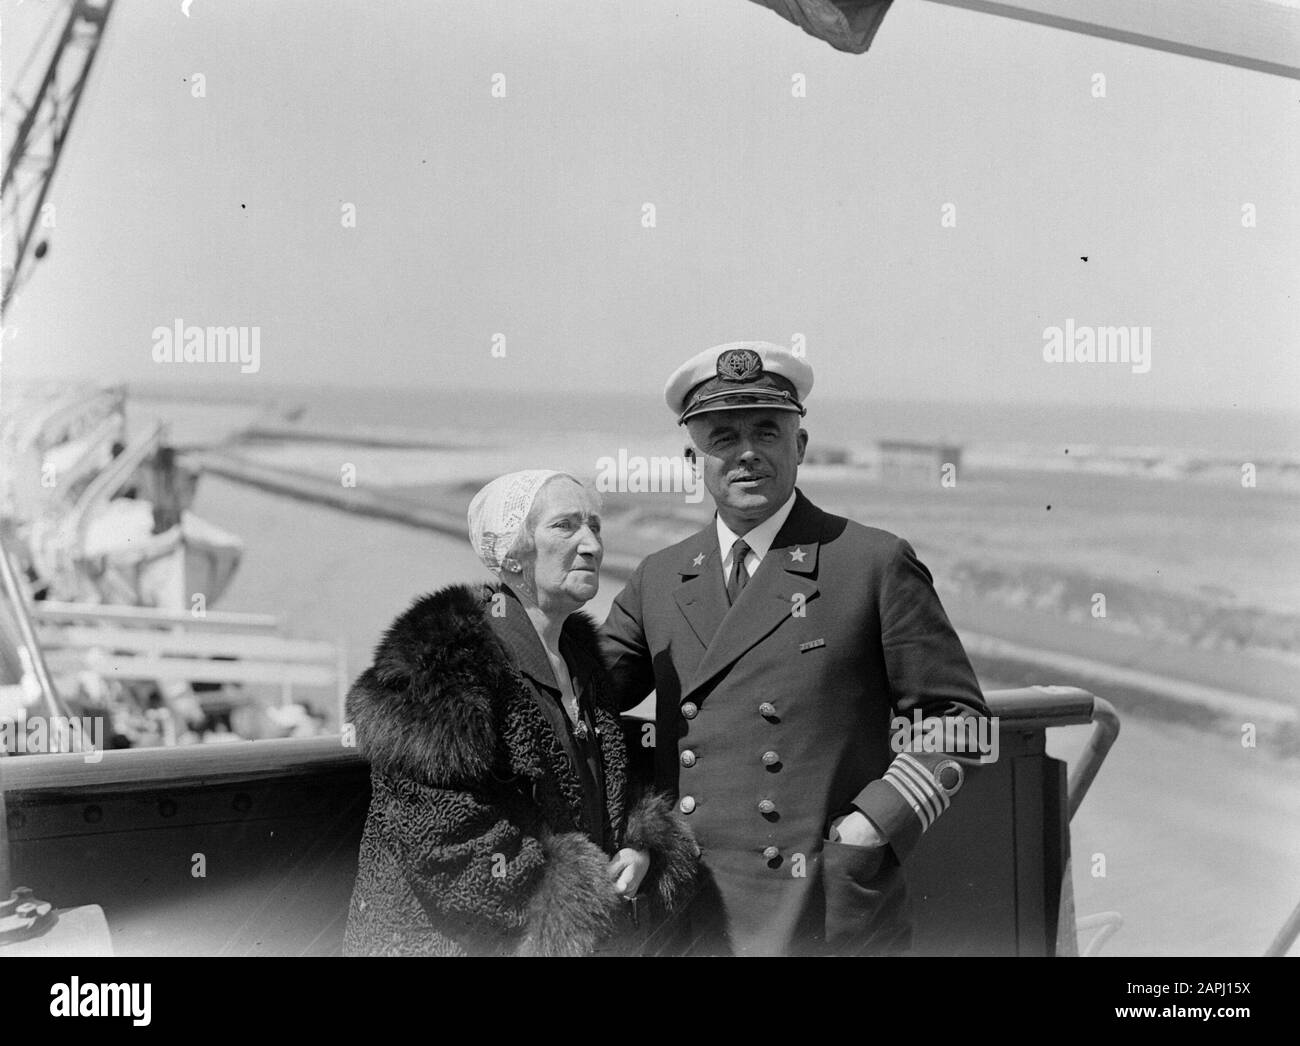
761	537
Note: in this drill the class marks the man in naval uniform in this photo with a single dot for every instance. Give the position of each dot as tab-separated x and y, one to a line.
782	641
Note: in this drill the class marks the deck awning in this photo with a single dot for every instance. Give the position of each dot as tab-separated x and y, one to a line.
1263	35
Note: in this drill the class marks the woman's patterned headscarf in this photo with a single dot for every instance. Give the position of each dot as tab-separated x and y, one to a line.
498	511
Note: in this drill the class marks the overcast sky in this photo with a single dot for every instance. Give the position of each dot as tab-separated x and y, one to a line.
774	215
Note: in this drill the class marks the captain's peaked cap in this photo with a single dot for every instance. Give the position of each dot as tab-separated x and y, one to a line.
741	375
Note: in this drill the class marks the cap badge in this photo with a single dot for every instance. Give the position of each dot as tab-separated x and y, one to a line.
740	365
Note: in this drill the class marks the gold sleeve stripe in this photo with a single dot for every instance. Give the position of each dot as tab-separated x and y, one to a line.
912	794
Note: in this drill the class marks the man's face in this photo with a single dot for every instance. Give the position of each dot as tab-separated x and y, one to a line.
750	460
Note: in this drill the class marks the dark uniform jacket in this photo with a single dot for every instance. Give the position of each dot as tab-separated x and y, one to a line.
490	825
773	718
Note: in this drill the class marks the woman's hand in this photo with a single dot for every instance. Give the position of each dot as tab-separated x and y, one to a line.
627	869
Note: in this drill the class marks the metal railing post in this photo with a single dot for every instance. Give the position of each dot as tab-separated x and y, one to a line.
18	599
1104	732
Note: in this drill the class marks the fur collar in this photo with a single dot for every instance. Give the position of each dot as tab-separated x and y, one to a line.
432	705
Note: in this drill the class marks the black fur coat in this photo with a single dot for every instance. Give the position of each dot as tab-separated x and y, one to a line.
476	840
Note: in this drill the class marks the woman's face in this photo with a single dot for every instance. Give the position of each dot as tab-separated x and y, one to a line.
566	565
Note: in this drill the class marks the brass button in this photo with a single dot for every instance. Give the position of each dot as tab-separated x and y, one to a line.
771	853
767	710
766	806
690	710
687	805
688	758
950	775
770	758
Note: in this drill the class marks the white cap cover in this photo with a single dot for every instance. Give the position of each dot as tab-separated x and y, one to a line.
497	513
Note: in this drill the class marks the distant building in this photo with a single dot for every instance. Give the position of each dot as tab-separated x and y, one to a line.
916	462
826	456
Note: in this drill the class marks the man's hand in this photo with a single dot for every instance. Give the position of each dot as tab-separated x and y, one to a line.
627	869
856	829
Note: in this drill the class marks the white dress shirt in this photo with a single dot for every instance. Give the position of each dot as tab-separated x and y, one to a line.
759	539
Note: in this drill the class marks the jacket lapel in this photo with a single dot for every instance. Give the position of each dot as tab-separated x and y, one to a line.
701	597
787	571
520	638
540	747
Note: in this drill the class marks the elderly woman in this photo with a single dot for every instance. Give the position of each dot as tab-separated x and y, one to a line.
501	820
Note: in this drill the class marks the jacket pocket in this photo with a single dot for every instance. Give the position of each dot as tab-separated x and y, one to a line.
867	908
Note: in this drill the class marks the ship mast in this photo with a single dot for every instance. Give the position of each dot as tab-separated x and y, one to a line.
43	127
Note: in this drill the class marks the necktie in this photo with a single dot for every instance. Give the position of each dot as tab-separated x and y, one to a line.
739	575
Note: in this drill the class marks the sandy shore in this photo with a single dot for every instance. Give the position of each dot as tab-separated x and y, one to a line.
1198	838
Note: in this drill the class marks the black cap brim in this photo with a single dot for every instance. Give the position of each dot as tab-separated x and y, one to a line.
750	399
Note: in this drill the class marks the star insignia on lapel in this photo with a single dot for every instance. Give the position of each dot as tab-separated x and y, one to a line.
797	555
698	559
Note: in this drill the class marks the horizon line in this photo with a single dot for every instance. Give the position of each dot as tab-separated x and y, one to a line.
241	390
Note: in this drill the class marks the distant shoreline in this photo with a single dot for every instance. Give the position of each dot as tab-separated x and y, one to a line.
1144	675
1212	432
